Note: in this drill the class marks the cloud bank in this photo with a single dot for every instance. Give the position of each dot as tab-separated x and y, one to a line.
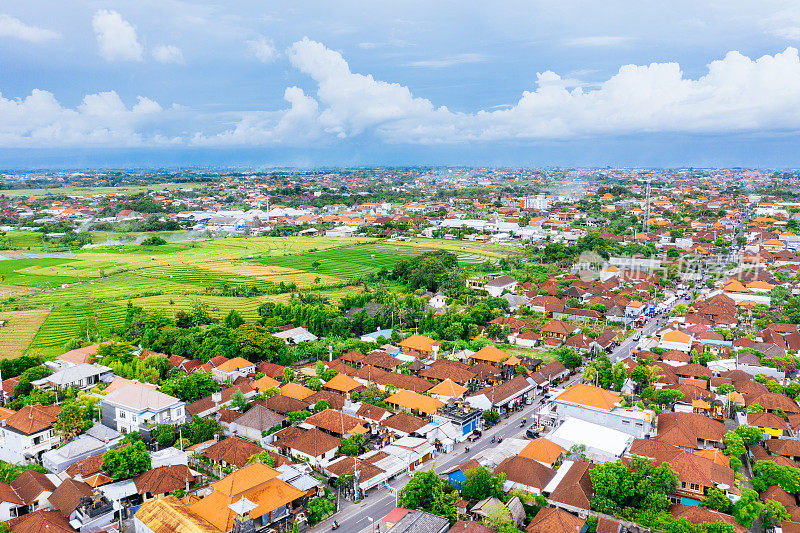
737	94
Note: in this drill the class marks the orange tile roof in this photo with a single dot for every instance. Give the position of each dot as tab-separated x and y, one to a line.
412	400
542	450
590	396
490	353
296	391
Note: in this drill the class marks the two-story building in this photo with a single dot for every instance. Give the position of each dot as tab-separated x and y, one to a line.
137	408
28	433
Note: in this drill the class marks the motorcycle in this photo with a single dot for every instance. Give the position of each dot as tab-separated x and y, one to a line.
335	526
466	449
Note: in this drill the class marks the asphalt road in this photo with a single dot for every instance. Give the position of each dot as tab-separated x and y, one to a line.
356	517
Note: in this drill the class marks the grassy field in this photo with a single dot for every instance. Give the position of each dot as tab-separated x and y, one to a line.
19	330
94	191
64	295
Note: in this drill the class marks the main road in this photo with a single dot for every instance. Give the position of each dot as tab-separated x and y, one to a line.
355	517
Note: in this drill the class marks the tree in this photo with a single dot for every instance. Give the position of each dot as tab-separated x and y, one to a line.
69	422
425	491
255	343
262	457
667	396
165	435
190	387
750	435
748	508
568	357
198	430
239	401
725	388
233	319
717	501
351	445
24	386
127	461
318	509
321	405
640	376
481	484
630	490
619	373
772	513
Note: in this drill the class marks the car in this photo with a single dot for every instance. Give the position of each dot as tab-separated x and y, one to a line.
532	433
475	435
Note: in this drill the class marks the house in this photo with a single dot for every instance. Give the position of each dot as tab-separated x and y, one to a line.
544	451
255	421
29	492
170	515
689	431
138	408
676	340
509	395
525	474
602	443
696	474
457	475
81	506
499	285
41	520
232	369
571	489
96	440
311	445
597	405
770	424
555	520
421	522
295	335
80	377
234	451
28	433
419	346
78	356
269	499
465	418
162	480
413	402
488	355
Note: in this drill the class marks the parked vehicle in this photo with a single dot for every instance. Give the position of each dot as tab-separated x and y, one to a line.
532	433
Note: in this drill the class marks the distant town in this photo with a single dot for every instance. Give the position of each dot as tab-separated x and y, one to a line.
413	350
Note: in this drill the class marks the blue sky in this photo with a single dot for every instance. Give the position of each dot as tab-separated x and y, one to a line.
87	83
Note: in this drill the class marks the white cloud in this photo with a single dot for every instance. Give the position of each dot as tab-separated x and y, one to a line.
101	119
167	54
116	37
263	49
12	27
597	41
449	61
737	94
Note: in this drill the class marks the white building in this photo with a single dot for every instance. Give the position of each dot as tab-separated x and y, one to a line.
28	433
133	407
602	443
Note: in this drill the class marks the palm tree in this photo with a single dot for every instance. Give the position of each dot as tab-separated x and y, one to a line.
654	373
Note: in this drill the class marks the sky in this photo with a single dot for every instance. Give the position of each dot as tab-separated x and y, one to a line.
569	83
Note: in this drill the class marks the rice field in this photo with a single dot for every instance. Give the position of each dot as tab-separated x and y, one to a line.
63	296
69	321
219	306
19	330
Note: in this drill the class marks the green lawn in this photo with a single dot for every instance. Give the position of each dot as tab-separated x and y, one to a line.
12	272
